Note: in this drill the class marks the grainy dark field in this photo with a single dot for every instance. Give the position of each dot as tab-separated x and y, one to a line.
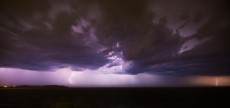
195	97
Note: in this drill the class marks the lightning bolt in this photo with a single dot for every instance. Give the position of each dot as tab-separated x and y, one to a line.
217	81
70	78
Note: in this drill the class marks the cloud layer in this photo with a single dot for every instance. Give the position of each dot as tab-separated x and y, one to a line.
169	37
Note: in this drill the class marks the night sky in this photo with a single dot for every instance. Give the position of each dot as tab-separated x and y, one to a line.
114	42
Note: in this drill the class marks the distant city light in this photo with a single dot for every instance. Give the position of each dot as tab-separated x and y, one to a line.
5	86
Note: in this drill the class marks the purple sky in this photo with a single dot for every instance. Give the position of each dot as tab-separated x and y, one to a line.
114	42
96	78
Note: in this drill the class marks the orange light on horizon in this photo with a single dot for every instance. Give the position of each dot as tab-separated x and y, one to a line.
210	80
5	86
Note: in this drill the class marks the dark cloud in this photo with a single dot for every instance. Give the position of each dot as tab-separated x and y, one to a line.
157	35
178	37
130	23
38	36
199	65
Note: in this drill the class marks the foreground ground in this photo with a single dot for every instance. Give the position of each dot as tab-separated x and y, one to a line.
49	97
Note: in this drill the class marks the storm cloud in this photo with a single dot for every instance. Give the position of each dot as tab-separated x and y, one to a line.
166	37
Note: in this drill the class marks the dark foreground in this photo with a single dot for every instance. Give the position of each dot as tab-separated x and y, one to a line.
114	97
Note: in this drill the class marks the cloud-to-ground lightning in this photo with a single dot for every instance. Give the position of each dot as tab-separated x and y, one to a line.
70	78
217	81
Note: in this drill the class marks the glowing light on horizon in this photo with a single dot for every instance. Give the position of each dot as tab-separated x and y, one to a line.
5	86
209	80
102	78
